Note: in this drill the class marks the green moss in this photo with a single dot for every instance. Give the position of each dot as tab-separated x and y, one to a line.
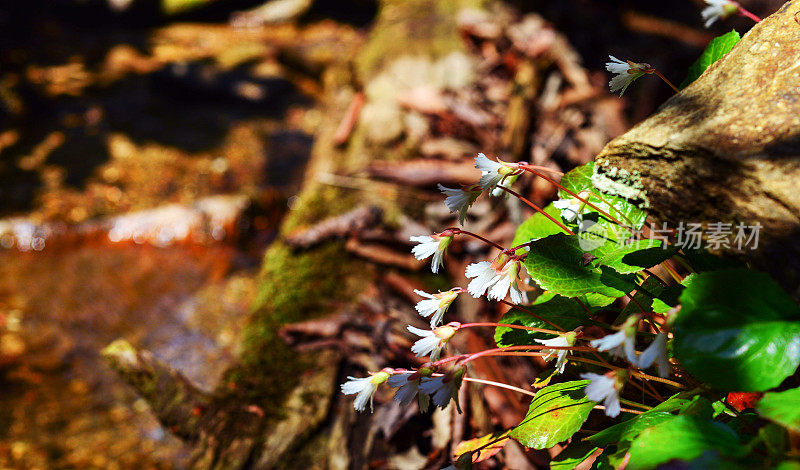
296	286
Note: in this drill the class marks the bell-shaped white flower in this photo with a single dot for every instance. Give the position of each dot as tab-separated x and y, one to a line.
718	10
435	245
494	172
656	352
435	305
506	183
365	387
621	343
565	340
409	382
497	279
433	341
570	208
443	388
625	73
606	388
461	199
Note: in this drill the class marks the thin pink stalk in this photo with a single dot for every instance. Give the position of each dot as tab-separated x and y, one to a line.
748	14
539	317
662	77
533	170
457	231
537	209
498	384
507	325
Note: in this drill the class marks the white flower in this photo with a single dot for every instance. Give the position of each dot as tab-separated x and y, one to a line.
570	208
435	245
507	183
565	340
621	343
365	388
493	172
606	388
498	278
433	341
444	387
436	304
656	352
718	9
625	73
460	200
409	387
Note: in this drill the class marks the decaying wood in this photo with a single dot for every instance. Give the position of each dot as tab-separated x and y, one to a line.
176	402
727	148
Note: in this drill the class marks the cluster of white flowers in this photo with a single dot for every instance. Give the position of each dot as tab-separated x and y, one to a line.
496	280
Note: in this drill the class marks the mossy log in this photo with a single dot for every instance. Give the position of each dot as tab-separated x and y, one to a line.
727	148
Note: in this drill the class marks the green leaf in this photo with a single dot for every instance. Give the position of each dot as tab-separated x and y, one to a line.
682	438
563	311
737	330
628	430
574	454
580	179
556	263
782	408
633	257
537	226
482	447
716	49
555	414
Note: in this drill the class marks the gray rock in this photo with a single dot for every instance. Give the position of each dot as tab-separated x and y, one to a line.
727	147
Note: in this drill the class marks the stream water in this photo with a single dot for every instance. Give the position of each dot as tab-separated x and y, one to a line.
112	228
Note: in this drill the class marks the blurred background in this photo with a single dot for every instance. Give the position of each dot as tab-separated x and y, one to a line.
229	186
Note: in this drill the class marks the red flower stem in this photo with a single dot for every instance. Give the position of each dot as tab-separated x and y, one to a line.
498	384
662	77
542	168
519	327
539	317
511	349
457	231
537	209
585	201
748	14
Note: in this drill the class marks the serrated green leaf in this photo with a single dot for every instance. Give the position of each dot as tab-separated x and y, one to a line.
563	311
555	414
633	257
782	408
556	263
716	49
737	331
572	456
682	438
537	226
